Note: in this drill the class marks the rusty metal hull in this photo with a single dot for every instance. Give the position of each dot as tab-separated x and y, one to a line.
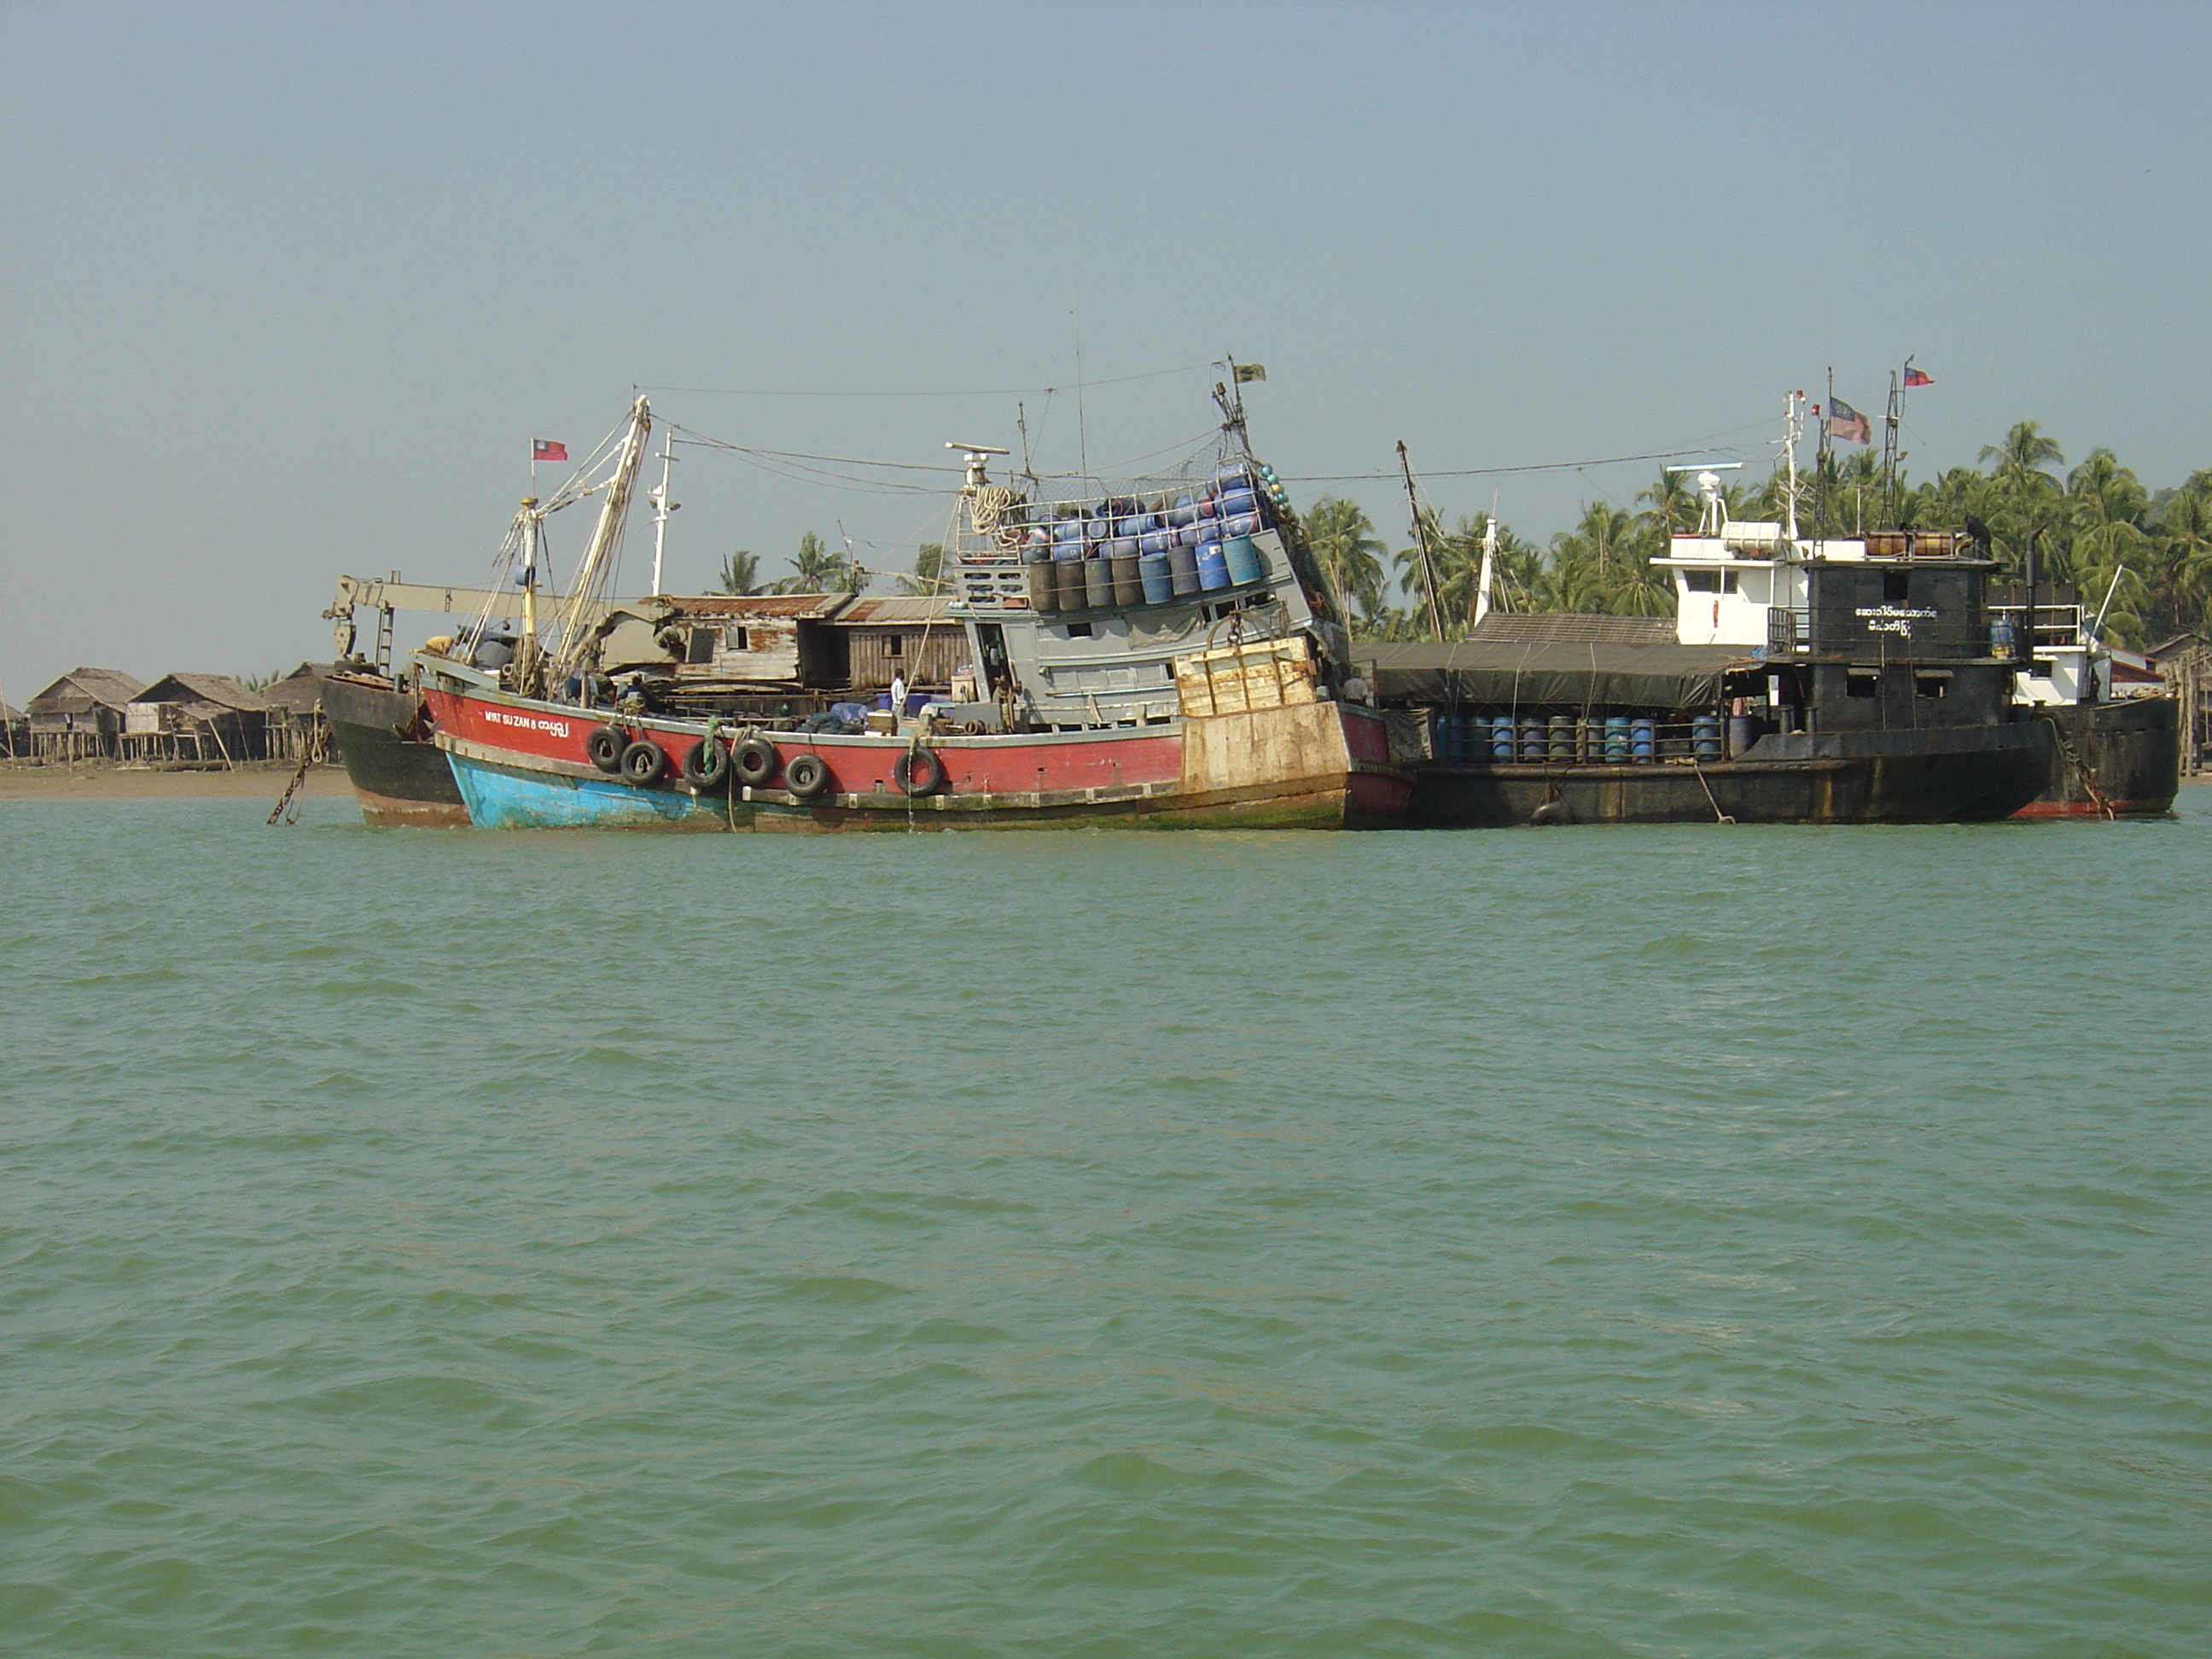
2120	759
402	780
1901	777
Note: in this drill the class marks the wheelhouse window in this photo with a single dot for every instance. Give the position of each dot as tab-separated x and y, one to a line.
1710	581
700	646
734	638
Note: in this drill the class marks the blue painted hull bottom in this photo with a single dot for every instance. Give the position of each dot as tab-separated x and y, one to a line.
508	798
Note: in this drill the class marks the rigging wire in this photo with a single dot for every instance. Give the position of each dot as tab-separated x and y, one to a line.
989	391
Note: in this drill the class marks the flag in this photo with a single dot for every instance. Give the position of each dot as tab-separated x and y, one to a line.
1245	372
1914	377
1846	422
548	449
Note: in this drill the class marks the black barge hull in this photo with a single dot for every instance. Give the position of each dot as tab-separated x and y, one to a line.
1936	776
401	778
2112	759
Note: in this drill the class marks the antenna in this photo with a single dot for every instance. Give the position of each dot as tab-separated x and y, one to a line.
1421	538
978	458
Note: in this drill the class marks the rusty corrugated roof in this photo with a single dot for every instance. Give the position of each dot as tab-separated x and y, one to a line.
793	607
902	608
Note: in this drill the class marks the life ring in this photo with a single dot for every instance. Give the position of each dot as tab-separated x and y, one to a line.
605	747
644	761
755	759
806	776
707	765
919	772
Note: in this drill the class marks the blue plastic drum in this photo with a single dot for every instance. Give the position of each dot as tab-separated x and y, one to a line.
1155	541
1136	523
1158	584
1192	533
1245	564
1616	739
1643	741
1212	567
1185	511
1242	524
1501	741
1121	547
1705	737
1234	502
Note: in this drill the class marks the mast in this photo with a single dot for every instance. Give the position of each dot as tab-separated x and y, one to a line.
662	506
1892	417
1489	566
1790	406
1421	539
593	573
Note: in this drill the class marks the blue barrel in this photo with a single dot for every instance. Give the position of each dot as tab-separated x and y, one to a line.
1212	566
1191	534
1129	586
1152	573
1136	523
1643	741
1121	547
1234	502
1037	552
1245	564
1705	737
1616	739
1155	541
1074	592
1559	738
1237	475
1044	587
1183	571
1208	508
1501	741
1243	524
1532	740
1185	511
1097	530
1098	583
1742	733
1068	530
1069	552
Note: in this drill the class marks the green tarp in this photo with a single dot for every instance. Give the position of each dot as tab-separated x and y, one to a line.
1518	674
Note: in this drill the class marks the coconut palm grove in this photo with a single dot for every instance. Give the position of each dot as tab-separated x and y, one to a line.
2095	527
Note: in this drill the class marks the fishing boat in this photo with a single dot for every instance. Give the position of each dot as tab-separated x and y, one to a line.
1802	680
1158	652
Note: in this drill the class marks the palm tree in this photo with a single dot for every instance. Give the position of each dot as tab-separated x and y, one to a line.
816	570
2184	531
1343	540
928	562
1673	501
740	574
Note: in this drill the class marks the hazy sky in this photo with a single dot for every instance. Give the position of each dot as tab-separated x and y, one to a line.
288	288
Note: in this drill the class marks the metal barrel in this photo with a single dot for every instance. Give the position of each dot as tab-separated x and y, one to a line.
1044	590
1183	571
1129	586
1073	592
1098	583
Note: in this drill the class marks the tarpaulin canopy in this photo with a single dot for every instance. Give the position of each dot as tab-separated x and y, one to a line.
1524	674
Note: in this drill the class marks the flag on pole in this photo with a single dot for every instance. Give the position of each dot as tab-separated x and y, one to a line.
548	449
1846	422
1245	372
1915	377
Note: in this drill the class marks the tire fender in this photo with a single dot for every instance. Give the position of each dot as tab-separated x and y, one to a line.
919	772
707	765
644	761
755	759
605	745
806	776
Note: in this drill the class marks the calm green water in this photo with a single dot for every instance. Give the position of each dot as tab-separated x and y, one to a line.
1678	1242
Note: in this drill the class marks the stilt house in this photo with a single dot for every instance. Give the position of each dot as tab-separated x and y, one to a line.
80	716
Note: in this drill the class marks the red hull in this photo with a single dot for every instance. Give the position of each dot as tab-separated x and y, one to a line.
1318	765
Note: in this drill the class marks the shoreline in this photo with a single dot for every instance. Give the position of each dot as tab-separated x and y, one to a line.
93	780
